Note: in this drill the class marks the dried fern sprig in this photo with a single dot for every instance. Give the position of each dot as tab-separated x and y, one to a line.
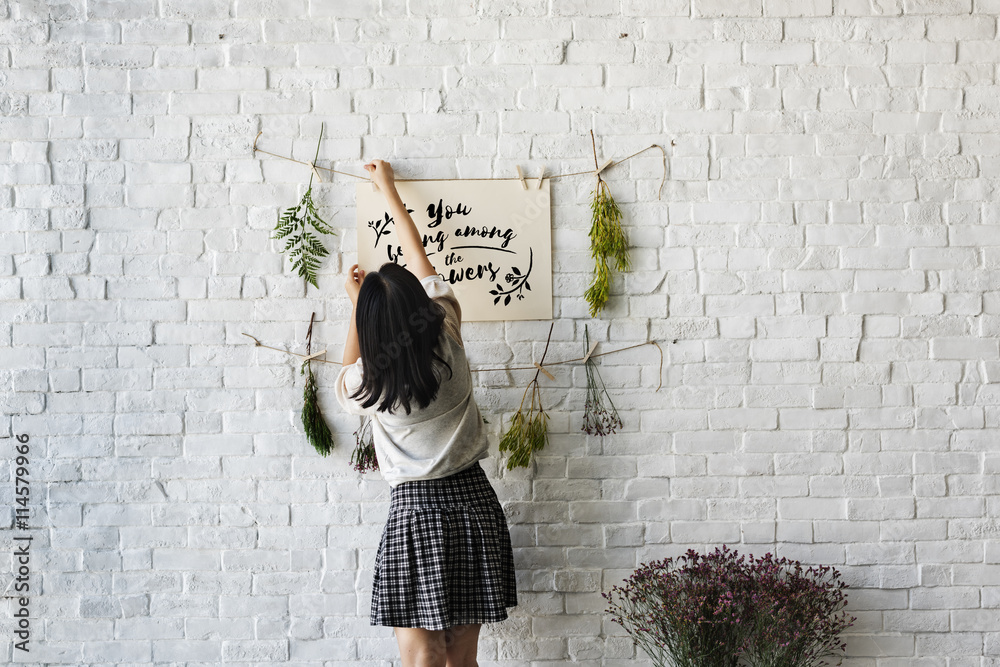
597	418
303	247
363	457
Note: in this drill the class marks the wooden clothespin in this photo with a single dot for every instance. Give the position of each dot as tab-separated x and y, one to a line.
313	356
542	369
316	172
603	167
540	177
520	175
593	347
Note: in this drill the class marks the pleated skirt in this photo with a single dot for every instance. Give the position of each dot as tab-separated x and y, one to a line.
445	556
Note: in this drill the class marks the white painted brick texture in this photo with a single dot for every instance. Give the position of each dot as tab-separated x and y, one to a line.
822	274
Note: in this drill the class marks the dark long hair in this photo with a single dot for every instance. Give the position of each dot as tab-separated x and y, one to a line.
398	329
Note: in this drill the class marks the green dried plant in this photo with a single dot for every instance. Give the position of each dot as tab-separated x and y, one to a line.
607	241
317	431
303	247
528	431
598	419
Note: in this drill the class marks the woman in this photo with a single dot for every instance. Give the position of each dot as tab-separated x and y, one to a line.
445	564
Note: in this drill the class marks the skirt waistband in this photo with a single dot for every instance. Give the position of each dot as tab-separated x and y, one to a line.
466	487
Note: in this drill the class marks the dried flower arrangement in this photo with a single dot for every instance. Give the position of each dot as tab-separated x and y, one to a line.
723	610
597	418
607	241
799	615
303	248
528	432
363	457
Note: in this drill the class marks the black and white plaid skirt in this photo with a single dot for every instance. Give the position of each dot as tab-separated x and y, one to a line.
445	557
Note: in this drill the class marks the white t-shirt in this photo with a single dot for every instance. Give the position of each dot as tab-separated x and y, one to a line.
445	437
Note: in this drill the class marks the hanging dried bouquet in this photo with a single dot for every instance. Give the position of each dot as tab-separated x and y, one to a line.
528	431
600	415
608	242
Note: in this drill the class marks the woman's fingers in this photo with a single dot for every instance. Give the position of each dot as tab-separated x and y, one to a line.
352	276
355	274
373	172
380	173
376	166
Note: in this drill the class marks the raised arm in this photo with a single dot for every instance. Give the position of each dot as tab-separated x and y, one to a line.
409	238
352	348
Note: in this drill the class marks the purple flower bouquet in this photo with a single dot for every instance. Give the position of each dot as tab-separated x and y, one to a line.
727	610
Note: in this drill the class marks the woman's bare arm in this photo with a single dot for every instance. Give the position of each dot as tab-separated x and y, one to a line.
352	348
406	231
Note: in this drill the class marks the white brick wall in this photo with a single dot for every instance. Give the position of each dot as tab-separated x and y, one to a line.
822	274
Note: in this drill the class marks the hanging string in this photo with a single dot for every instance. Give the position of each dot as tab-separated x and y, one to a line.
534	367
315	166
312	164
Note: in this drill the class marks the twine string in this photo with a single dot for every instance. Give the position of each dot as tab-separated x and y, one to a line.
315	167
257	343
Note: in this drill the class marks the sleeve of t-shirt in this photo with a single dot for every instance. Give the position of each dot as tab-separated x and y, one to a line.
441	292
348	382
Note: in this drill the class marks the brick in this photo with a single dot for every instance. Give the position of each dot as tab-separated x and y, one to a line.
529	52
719	8
779	53
120	9
535	122
124	56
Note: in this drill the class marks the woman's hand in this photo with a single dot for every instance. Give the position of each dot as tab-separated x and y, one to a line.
381	174
355	277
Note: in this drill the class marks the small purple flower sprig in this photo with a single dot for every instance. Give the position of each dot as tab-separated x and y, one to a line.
599	417
723	610
799	613
363	457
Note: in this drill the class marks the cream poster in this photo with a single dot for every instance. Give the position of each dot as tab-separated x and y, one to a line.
490	239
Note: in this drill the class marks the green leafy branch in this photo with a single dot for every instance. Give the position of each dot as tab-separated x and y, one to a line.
528	431
303	247
607	241
317	431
